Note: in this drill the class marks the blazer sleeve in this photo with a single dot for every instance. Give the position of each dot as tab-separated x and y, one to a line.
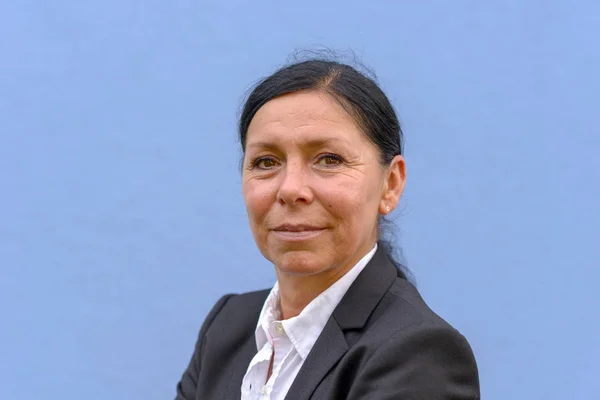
434	363
186	388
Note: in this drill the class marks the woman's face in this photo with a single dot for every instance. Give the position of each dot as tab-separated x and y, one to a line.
313	185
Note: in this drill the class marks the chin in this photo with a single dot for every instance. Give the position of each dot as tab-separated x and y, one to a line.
301	262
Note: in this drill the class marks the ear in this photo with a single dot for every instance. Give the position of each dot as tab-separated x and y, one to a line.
393	185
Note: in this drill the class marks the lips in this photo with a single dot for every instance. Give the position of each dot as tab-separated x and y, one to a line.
297	232
296	228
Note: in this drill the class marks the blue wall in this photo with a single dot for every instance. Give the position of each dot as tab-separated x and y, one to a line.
122	221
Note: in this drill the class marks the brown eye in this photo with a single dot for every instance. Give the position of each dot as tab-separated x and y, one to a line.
330	160
265	163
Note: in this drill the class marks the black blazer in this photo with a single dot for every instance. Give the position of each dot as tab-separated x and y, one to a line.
381	342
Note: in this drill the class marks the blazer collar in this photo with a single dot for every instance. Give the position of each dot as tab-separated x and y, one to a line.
352	313
367	290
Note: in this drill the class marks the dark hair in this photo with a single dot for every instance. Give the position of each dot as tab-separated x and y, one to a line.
357	93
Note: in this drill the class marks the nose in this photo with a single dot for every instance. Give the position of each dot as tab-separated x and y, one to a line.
294	185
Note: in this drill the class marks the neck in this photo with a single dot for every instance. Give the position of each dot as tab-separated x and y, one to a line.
297	291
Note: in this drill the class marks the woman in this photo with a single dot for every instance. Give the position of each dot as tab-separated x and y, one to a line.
322	165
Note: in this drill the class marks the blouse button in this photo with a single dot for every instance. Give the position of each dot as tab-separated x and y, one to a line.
279	328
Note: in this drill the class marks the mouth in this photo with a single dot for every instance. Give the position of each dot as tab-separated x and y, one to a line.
295	233
296	228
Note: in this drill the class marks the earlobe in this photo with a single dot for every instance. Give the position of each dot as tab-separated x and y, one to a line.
384	209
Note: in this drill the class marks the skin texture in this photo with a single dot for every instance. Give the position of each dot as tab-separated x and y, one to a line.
314	186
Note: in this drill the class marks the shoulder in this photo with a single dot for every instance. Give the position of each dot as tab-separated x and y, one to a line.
240	301
410	323
404	320
408	317
236	309
246	303
409	350
408	309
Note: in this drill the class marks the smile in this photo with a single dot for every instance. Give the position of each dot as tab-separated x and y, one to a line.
296	234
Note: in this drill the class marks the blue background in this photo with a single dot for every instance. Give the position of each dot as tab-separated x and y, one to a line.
121	215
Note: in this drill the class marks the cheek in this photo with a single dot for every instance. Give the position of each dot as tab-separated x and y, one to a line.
350	201
259	198
342	200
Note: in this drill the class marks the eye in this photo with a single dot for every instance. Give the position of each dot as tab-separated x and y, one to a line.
329	160
265	163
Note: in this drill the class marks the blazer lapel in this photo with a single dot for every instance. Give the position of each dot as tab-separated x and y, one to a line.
241	346
352	313
239	368
328	349
366	292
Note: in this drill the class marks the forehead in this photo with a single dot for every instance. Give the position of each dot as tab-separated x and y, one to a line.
304	116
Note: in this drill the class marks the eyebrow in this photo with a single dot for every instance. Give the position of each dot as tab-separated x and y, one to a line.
309	143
